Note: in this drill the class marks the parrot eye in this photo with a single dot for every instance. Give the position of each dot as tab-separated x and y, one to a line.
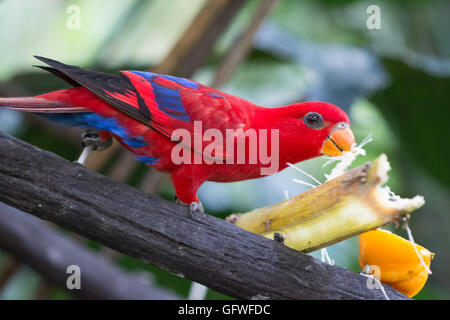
313	120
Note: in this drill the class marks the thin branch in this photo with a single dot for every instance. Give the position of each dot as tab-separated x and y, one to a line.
199	247
11	265
242	46
43	290
199	38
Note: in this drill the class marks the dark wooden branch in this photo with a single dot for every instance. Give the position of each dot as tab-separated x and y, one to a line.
201	247
50	253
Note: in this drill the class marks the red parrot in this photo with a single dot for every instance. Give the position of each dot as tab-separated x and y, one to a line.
143	111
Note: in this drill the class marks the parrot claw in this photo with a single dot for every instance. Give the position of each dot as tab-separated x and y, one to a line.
196	206
278	237
193	206
92	138
92	141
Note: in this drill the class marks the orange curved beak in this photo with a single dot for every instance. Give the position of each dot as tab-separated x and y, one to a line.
340	140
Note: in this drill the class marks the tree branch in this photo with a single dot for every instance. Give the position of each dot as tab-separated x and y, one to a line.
200	247
242	46
194	47
11	265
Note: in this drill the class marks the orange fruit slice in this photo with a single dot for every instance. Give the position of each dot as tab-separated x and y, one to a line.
398	263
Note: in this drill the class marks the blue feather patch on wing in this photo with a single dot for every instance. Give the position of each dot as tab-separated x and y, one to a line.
93	120
181	81
169	99
147	159
215	95
87	120
135	142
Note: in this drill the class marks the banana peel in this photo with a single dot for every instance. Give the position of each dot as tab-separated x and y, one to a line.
346	206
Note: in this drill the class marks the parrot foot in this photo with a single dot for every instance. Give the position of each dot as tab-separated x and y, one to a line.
92	141
193	206
278	237
92	138
196	206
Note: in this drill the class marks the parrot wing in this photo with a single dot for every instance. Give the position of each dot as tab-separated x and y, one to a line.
162	102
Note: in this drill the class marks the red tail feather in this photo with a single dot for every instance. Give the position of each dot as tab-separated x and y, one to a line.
39	105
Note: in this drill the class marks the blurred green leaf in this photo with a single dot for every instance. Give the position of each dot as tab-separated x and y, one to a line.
417	106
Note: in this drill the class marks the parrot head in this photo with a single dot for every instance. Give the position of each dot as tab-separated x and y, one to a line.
312	129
